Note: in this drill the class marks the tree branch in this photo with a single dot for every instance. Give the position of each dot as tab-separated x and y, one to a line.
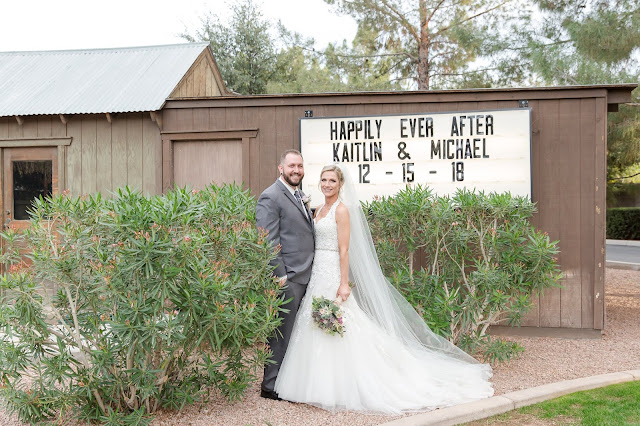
624	177
399	17
470	18
433	12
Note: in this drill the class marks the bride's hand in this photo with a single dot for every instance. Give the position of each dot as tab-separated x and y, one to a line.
343	292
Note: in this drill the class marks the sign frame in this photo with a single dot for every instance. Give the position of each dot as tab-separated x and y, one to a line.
524	137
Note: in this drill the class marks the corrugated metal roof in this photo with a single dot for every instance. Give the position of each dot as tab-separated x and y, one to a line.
92	81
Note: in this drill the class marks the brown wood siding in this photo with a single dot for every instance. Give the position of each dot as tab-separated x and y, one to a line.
567	153
102	156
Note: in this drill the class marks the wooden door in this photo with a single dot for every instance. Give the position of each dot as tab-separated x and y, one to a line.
27	173
200	163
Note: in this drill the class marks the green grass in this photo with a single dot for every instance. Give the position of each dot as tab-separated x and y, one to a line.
611	405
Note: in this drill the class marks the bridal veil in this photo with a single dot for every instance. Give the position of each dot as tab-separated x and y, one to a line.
379	299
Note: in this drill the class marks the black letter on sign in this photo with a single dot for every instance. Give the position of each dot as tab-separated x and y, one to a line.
402	155
364	172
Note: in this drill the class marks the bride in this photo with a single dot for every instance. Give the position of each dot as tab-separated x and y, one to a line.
388	360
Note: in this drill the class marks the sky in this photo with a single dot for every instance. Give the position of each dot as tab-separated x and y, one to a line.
92	24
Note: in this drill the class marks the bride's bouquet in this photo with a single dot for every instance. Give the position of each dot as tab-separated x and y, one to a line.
327	315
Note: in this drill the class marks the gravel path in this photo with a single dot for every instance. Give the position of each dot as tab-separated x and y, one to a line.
545	360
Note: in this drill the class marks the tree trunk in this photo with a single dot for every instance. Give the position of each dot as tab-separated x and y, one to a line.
423	49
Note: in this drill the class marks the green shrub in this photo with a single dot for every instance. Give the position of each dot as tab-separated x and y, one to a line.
129	304
482	260
623	223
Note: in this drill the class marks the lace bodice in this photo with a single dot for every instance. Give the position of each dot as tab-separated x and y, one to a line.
327	231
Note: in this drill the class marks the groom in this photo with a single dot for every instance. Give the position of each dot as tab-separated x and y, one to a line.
281	211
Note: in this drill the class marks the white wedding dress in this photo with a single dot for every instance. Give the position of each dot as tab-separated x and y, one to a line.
367	369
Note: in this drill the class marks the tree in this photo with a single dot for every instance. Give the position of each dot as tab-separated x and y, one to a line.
244	50
300	69
429	43
592	42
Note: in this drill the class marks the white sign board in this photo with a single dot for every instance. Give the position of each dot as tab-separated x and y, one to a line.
486	150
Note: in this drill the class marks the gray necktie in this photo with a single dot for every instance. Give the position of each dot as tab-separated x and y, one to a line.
299	198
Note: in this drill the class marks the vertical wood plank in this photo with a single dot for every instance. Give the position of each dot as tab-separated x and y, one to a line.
74	156
58	129
119	169
246	162
549	199
201	78
569	182
44	126
209	82
61	169
235	119
104	166
600	213
267	144
532	318
167	165
587	207
134	150
4	128
151	158
89	150
14	129
30	127
189	85
286	122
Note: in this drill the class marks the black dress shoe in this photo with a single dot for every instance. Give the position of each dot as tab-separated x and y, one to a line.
269	395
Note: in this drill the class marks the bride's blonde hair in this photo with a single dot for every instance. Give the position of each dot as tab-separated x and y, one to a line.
338	171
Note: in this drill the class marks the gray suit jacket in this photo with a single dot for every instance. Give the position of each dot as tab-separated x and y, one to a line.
281	214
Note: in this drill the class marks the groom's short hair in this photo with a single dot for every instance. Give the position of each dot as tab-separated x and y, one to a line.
287	152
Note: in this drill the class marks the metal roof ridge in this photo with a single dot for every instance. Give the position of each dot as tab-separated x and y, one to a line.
103	49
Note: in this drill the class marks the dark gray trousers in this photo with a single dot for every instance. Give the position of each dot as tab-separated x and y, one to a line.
278	343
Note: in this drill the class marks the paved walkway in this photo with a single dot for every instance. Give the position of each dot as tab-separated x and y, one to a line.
509	401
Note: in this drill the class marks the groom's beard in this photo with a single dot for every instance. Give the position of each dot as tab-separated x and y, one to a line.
287	178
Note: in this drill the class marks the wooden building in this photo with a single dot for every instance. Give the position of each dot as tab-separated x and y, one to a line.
89	120
569	133
109	127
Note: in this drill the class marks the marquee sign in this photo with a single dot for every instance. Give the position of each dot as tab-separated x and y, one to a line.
485	150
